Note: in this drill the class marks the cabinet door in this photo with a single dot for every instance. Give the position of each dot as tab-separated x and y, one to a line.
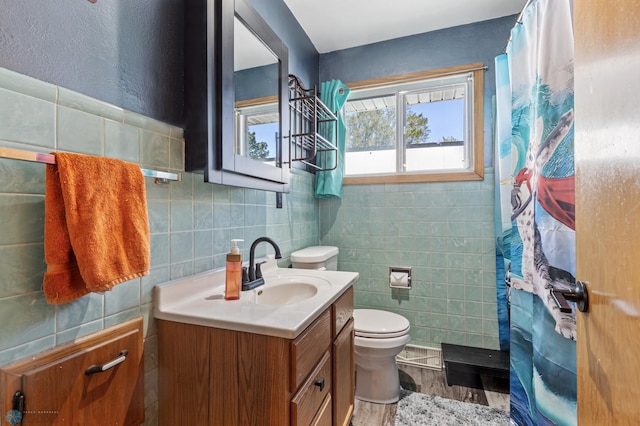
343	375
94	380
183	368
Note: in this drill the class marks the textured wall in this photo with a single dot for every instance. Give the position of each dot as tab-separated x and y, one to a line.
127	53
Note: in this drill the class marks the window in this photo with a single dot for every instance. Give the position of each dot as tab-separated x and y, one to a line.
256	131
416	128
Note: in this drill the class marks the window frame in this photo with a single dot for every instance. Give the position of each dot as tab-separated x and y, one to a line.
474	173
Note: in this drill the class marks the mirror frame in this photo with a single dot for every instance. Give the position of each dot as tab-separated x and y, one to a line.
210	97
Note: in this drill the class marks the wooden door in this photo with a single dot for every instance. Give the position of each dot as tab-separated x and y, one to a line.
607	155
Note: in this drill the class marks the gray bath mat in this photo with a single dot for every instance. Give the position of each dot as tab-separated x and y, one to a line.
416	409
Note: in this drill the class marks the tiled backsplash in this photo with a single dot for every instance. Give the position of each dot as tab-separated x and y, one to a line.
445	232
191	222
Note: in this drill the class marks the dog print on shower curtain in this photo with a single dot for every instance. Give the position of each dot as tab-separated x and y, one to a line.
556	196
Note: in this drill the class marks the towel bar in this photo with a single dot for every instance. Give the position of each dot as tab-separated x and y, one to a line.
38	157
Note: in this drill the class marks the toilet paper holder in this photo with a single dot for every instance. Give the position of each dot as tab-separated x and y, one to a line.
400	277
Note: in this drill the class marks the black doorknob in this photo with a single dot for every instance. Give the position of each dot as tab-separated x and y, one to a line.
576	294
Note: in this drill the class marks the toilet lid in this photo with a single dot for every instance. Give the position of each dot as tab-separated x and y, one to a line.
380	324
314	254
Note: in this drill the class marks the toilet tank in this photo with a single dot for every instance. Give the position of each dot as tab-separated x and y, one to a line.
316	257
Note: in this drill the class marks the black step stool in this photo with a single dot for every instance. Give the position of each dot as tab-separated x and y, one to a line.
465	364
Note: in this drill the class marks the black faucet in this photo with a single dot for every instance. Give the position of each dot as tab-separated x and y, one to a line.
254	278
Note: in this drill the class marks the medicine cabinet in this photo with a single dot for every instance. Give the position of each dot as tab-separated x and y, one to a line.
236	96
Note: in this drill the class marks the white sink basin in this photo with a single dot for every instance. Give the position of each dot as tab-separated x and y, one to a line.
284	306
285	294
288	290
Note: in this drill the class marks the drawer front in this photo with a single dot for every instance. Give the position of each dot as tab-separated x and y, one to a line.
306	404
308	348
323	418
341	311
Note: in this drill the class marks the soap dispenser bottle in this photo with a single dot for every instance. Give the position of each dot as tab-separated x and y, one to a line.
233	280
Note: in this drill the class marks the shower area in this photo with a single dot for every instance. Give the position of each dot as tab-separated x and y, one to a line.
535	213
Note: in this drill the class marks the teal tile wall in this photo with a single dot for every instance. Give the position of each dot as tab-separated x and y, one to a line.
445	232
191	222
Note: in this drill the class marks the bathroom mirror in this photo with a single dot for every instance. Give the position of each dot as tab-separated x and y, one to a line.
236	96
256	113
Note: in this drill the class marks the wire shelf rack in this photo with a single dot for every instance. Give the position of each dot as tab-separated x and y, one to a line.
310	124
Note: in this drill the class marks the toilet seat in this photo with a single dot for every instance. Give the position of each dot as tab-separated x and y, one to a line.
377	324
367	343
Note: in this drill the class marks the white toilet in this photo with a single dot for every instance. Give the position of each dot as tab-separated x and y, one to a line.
380	336
316	257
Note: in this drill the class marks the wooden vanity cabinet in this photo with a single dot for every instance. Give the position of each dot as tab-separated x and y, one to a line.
212	376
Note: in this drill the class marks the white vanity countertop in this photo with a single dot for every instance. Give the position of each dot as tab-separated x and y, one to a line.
199	300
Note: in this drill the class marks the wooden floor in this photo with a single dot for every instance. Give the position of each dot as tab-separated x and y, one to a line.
431	382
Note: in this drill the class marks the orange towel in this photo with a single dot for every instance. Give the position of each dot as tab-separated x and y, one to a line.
96	231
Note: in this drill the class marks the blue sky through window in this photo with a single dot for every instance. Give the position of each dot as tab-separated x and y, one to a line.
266	133
446	118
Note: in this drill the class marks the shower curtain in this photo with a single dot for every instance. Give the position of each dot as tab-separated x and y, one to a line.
534	161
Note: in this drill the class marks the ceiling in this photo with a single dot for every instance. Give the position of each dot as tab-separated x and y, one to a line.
339	24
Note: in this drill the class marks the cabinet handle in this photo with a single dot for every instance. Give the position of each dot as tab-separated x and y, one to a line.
320	383
17	405
104	367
